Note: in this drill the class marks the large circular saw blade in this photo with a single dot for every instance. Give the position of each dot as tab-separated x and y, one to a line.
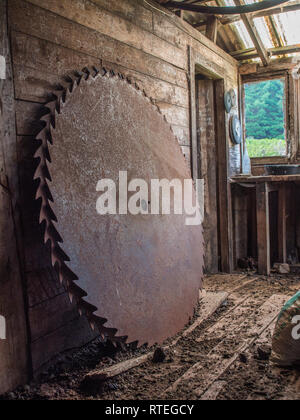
134	275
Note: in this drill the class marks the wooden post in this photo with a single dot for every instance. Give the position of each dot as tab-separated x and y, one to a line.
224	187
282	215
212	28
14	347
263	228
193	115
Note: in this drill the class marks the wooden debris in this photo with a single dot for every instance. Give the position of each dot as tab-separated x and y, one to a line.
210	303
101	375
216	364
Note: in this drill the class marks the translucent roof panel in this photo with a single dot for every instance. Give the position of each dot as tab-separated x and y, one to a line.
244	35
240	28
264	32
260	25
288	25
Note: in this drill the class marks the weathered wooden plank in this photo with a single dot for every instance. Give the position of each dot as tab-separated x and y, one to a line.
212	28
175	114
212	393
51	319
37	53
249	327
167	29
61	31
101	375
112	25
27	118
225	203
193	115
74	334
282	218
201	42
209	304
159	90
36	84
130	10
14	360
208	170
182	134
206	66
13	350
263	228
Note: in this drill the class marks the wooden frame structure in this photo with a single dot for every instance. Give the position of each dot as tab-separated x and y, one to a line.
218	29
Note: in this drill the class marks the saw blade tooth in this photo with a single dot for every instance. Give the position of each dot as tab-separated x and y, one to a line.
67	273
54	260
48	238
49	212
53	233
60	253
110	332
76	290
96	71
39	154
87	72
104	71
89	308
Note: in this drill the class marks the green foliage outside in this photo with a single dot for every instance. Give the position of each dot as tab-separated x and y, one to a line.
265	119
266	147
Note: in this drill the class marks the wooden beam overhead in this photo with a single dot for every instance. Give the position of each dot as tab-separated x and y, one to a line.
276	11
294	6
251	53
212	28
254	35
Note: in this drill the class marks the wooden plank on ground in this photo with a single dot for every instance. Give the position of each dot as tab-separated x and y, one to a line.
250	328
210	303
102	375
212	393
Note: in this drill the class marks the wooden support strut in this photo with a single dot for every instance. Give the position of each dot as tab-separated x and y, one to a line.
212	28
263	228
256	39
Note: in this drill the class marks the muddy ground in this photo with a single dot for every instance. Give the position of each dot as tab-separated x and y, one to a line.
251	376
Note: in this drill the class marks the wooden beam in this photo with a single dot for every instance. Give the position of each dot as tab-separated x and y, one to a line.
251	53
15	361
271	12
193	114
282	217
263	228
212	28
224	199
254	35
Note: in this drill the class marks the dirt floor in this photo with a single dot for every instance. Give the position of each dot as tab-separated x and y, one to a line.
225	358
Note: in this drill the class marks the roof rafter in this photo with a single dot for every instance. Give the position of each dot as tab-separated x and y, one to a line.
254	35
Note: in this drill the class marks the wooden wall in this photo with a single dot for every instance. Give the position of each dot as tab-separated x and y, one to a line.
51	39
14	357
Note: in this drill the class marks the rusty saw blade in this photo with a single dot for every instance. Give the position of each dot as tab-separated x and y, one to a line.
133	276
